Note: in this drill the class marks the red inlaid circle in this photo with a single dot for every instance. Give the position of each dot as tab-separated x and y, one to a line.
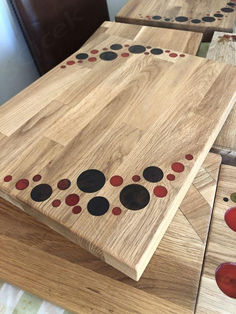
76	210
80	61
63	184
22	184
63	66
136	178
148	47
146	53
167	50
72	199
56	203
230	218
92	59
173	55
177	167
226	279
125	54
170	177
126	45
70	62
189	157
105	49
160	191
116	180
37	178
116	211
8	178
182	55
94	51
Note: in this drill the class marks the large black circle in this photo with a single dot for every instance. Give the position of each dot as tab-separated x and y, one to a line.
181	19
41	192
208	19
156	17
196	21
228	10
108	56
82	56
134	197
116	47
156	51
153	174
231	4
98	206
91	180
137	49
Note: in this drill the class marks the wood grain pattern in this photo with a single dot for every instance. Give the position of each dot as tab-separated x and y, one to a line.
199	16
113	124
220	249
43	262
223	49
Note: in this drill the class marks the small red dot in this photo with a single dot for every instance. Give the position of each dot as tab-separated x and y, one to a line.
125	54
105	49
8	178
148	47
70	62
22	184
116	180
146	53
80	61
226	278
160	191
230	218
116	211
189	157
92	59
56	203
182	55
170	177
72	199
63	184
126	45
95	51
167	51
37	178
177	167
63	66
76	210
173	55
136	178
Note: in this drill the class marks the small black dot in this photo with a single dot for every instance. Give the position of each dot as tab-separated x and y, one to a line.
218	15
228	10
108	56
226	199
137	49
82	56
156	17
156	51
116	47
91	181
208	19
153	174
181	19
41	192
231	4
196	21
167	19
134	196
98	206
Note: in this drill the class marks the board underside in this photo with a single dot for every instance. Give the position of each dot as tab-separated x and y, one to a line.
43	262
104	147
200	16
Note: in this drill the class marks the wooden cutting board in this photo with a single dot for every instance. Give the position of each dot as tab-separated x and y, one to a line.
200	16
43	262
223	49
104	148
220	262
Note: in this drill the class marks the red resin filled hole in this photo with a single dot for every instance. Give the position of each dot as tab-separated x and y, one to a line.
76	210
189	157
125	55
116	180
70	62
92	59
22	184
72	199
171	177
230	218
37	178
136	178
160	191
95	51
116	211
8	178
226	279
173	55
177	167
56	203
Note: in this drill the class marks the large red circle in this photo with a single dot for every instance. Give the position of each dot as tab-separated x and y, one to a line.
72	199
92	59
56	203
160	191
63	184
116	180
177	167
226	279
76	210
116	211
22	184
230	218
70	62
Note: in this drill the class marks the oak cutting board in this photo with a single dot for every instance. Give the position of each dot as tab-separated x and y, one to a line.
104	147
43	262
205	16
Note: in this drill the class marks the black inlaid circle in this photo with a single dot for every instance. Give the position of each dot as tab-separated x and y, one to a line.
167	19
208	19
108	56
91	180
137	49
231	4
196	21
156	17
181	19
226	199
134	196
218	15
98	206
153	174
156	51
82	56
41	192
228	10
116	47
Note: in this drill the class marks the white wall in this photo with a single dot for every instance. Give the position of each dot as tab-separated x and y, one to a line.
114	7
17	69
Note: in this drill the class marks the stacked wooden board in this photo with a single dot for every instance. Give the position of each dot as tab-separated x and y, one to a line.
104	147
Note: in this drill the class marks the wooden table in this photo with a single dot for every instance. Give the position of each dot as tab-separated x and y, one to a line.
104	147
223	49
200	16
39	260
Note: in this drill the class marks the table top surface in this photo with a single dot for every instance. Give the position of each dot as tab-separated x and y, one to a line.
87	150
